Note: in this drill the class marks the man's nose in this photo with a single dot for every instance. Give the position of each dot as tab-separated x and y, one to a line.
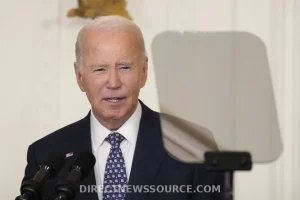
113	79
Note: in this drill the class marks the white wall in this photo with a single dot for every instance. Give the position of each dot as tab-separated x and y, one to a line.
40	95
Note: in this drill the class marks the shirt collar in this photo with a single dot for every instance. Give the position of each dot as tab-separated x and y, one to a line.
129	129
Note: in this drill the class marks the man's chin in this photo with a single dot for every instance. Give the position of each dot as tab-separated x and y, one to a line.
114	115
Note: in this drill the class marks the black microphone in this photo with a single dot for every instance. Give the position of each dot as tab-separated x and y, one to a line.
48	169
79	170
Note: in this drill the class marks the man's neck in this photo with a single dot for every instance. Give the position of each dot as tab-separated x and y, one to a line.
112	124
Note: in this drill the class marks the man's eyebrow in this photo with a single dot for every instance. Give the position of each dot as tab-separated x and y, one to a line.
124	63
98	65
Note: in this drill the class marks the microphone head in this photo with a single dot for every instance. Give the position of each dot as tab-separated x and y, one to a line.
55	161
85	162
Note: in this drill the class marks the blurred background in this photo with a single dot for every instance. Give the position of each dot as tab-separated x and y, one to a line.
40	94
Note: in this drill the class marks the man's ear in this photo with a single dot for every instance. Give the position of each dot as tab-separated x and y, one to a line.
78	74
144	71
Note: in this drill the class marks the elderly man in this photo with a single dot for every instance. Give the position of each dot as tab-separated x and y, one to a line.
122	132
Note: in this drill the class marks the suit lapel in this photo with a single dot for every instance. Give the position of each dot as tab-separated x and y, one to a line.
149	153
83	143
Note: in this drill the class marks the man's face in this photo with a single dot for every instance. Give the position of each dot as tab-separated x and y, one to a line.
112	73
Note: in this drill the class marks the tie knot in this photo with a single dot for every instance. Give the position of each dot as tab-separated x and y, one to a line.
115	139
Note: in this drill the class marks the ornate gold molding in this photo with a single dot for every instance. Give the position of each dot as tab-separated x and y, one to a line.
95	8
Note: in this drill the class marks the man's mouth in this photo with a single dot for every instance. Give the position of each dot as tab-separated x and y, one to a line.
114	99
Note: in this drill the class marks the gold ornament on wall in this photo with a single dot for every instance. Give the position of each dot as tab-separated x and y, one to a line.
96	8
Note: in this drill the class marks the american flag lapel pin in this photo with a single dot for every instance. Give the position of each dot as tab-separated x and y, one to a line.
69	154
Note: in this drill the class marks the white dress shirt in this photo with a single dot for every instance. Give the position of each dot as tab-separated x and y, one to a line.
101	147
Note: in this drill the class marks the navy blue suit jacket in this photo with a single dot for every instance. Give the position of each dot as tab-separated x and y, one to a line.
152	165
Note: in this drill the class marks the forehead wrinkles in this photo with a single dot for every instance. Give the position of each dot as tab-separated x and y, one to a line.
114	54
112	45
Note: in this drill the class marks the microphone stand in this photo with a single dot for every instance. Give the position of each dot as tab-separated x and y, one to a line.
227	162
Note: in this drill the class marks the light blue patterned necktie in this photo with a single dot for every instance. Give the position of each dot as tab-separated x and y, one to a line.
115	179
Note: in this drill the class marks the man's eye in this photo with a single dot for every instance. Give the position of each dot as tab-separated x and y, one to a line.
100	70
124	68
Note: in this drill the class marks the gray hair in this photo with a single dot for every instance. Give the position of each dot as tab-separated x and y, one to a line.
111	23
